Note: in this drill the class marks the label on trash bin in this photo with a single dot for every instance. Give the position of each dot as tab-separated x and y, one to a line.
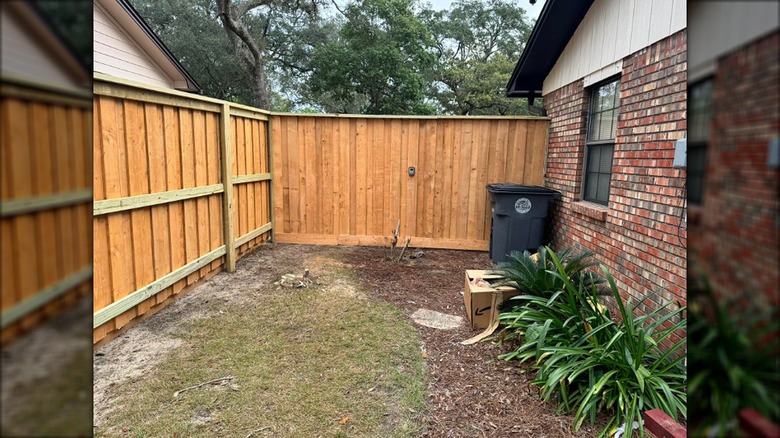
523	205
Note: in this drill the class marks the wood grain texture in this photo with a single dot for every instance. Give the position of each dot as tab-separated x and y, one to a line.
44	190
335	180
342	176
160	163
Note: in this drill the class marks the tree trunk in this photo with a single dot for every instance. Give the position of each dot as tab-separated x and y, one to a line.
246	48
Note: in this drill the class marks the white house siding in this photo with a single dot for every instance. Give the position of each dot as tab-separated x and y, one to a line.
116	54
610	31
717	28
25	57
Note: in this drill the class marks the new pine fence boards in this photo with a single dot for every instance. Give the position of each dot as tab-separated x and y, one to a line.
185	184
251	180
344	180
45	191
160	207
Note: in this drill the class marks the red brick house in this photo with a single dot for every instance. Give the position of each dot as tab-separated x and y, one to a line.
734	146
612	76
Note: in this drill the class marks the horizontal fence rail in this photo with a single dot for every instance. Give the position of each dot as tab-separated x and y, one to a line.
45	202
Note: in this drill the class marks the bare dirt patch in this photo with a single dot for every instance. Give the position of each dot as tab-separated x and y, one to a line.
136	352
46	377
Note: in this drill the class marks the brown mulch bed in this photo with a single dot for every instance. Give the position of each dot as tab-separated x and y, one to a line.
471	392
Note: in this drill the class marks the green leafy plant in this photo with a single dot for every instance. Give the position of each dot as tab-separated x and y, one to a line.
589	363
534	274
733	357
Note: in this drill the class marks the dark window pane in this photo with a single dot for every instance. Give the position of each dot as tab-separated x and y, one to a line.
590	186
603	188
595	124
594	156
613	129
605	163
700	122
696	165
700	111
604	110
602	124
605	129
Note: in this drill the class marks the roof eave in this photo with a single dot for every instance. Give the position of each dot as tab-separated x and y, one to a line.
192	84
556	25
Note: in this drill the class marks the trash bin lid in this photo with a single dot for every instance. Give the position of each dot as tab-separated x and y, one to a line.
522	189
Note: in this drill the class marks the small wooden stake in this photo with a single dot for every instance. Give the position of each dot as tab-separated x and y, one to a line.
394	240
406	245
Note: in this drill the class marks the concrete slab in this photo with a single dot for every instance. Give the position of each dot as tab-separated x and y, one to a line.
437	320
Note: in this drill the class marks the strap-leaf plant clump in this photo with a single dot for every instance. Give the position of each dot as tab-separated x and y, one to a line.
586	361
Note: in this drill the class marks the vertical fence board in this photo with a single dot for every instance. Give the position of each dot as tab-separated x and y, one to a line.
25	248
281	195
155	141
188	164
138	176
201	179
215	209
119	226
360	186
241	190
412	135
174	181
537	159
402	177
309	197
44	184
463	180
9	267
428	216
328	156
101	254
61	154
255	194
291	167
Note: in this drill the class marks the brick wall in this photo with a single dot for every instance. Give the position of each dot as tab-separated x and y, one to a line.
735	239
639	236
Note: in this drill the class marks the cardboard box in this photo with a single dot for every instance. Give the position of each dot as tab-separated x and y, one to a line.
482	302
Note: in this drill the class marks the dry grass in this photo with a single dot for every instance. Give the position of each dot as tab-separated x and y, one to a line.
303	360
56	405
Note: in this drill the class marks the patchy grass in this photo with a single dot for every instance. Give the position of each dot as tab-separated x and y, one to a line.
303	361
57	405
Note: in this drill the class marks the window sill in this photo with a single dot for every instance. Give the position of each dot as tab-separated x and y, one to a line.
591	209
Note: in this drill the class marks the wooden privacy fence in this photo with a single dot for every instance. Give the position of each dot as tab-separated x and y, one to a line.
46	202
182	186
346	179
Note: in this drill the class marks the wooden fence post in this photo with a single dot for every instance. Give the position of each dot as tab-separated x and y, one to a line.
227	195
269	140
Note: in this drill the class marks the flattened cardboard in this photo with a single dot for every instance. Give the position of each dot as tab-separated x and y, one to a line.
482	302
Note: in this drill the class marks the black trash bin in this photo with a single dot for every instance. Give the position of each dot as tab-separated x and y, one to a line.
519	216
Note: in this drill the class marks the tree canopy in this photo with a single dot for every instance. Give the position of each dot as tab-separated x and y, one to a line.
366	56
477	45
